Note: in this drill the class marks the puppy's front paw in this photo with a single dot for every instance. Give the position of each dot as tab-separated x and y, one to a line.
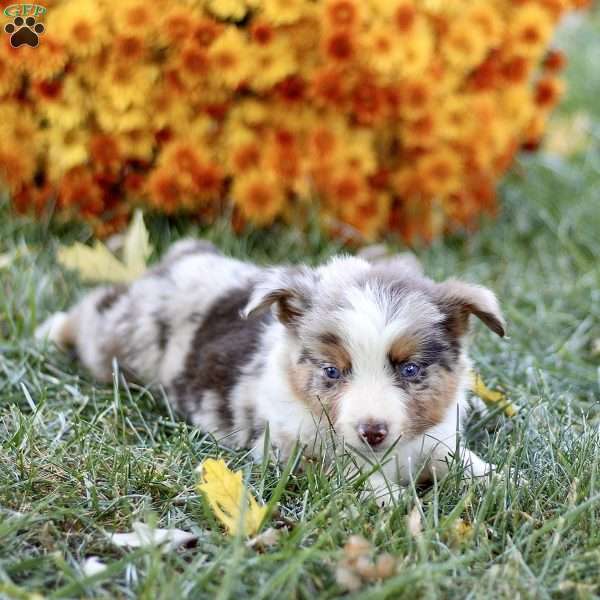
475	467
381	490
54	329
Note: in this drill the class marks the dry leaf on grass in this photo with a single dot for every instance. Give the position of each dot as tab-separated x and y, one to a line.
492	397
413	522
266	539
144	536
360	565
97	263
229	499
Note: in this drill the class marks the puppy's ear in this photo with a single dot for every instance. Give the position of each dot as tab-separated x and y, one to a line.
459	299
287	291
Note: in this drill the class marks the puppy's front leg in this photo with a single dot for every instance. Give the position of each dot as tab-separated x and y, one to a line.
441	459
381	489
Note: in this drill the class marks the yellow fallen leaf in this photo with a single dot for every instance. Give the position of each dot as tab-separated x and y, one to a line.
136	247
94	263
491	397
97	263
229	499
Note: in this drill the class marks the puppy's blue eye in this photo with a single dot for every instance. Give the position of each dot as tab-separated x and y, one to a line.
409	370
332	372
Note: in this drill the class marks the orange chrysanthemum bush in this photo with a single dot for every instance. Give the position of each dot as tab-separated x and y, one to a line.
387	115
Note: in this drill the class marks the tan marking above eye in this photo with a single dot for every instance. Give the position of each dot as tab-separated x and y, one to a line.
331	349
403	349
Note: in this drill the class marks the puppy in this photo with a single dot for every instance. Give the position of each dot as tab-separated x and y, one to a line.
367	354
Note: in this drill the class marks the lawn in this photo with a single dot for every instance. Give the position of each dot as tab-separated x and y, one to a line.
80	460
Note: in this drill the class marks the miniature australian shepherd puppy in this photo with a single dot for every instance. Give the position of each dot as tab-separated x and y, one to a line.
368	352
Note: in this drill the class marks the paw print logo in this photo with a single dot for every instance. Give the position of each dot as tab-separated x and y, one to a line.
24	31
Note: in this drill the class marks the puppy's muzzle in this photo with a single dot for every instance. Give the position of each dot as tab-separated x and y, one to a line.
372	433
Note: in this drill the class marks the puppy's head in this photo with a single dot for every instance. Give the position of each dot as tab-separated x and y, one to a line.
379	347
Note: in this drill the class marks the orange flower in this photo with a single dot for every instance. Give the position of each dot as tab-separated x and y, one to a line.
105	152
9	79
205	31
417	97
368	217
130	48
259	197
165	191
368	102
404	16
555	61
79	193
440	172
342	13
516	69
548	92
339	46
330	86
176	25
193	62
17	165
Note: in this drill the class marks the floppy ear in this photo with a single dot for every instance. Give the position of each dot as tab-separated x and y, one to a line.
287	291
461	299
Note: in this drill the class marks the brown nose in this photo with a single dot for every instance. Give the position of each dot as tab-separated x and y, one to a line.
373	433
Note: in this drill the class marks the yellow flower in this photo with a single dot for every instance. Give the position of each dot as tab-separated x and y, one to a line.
9	77
530	30
227	9
283	12
111	119
70	109
134	17
66	149
464	46
488	20
456	118
417	49
270	65
138	144
81	25
385	50
127	86
259	197
230	56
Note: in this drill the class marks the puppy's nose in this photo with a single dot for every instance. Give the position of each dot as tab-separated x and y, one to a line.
373	433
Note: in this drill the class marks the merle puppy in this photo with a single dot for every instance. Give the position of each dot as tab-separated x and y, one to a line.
370	352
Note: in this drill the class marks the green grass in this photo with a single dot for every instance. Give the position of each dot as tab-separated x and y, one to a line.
78	460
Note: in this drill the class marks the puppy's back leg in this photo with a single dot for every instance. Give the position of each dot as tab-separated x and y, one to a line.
91	328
